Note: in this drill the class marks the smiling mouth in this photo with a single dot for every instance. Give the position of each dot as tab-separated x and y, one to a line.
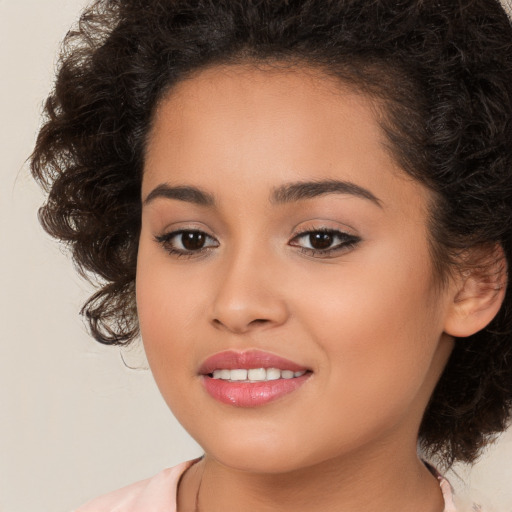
251	378
254	375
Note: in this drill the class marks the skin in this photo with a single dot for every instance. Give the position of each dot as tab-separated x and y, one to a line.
368	320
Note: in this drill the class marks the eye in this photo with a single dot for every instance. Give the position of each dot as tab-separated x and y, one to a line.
187	242
324	242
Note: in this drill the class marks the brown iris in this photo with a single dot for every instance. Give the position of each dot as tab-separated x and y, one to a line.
321	240
193	240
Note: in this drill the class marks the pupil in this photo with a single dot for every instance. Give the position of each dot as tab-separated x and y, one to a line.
320	240
192	241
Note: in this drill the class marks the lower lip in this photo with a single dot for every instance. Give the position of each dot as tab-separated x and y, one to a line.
247	394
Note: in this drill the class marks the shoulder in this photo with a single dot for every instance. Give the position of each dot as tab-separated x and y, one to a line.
446	488
159	492
452	503
455	503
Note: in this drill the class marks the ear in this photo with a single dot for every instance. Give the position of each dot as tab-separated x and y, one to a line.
478	292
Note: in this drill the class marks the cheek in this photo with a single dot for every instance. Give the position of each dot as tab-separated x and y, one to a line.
166	310
376	322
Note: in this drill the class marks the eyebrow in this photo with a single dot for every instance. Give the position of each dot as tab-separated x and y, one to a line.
291	192
309	189
181	193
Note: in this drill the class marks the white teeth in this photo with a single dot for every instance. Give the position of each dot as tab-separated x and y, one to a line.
238	374
256	374
273	374
222	374
225	374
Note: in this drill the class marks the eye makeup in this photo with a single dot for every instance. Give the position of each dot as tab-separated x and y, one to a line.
319	242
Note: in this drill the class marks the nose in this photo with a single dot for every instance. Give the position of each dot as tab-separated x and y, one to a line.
248	296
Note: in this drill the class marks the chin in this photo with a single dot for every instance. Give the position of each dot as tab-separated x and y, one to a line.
262	454
256	462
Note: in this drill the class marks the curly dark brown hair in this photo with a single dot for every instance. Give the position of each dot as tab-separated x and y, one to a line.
443	70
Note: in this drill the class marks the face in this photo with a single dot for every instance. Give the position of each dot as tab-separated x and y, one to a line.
279	236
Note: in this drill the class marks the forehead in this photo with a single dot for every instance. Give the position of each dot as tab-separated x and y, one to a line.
279	98
264	104
231	124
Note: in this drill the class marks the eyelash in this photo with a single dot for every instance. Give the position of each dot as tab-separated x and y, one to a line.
165	241
347	242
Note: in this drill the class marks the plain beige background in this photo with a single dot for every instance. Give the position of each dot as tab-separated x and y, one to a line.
74	421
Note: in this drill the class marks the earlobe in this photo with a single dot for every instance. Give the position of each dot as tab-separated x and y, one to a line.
478	295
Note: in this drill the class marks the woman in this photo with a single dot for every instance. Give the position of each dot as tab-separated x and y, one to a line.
304	208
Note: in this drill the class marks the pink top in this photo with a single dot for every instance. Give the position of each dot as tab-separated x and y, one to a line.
158	494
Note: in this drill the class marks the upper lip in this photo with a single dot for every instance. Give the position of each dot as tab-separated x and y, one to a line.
231	360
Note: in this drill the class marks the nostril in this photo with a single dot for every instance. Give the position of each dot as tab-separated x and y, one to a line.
259	321
239	327
252	312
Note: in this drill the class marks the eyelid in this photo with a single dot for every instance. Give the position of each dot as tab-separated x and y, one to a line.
166	238
348	241
345	241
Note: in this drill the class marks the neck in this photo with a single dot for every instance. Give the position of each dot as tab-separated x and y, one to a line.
377	483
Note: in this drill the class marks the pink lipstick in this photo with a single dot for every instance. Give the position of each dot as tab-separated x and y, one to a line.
251	378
